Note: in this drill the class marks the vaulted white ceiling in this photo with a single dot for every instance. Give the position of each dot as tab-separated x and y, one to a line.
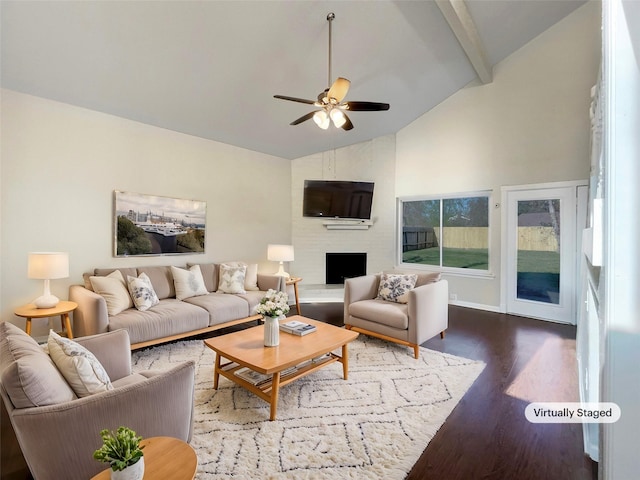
211	68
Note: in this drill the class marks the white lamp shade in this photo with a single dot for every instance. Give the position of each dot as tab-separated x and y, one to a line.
48	265
280	253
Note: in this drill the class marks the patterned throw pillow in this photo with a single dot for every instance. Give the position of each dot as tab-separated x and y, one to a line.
232	278
78	366
250	276
142	292
188	283
396	287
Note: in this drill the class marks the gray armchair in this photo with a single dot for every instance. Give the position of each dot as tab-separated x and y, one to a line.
424	315
58	439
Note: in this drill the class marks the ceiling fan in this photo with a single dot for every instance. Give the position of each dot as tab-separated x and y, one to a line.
332	108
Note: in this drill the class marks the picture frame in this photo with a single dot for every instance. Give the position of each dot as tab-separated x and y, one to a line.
152	225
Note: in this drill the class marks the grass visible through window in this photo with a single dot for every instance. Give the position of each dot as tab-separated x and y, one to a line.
528	260
477	258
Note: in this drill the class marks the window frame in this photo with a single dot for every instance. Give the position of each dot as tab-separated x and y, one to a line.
465	272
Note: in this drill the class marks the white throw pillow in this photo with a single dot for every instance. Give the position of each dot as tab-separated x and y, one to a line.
188	283
78	366
250	276
114	290
142	292
396	288
232	279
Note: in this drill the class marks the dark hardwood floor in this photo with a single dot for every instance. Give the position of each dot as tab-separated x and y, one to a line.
487	435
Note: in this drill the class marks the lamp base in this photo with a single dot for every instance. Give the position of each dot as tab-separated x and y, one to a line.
46	301
281	272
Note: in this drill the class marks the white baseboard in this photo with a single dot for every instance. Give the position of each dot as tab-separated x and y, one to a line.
477	306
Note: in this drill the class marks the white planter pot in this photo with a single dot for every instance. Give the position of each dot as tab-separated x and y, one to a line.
272	331
133	472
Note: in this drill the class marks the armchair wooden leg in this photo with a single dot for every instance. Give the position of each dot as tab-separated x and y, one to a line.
442	334
416	351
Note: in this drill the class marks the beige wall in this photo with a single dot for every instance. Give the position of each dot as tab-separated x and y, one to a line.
530	125
61	164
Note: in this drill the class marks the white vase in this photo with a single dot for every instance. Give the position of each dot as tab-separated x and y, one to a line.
272	331
132	472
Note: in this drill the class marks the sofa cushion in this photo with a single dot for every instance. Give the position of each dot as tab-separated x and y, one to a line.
232	278
29	376
114	290
221	307
380	311
253	299
169	317
142	293
188	283
161	279
79	366
209	273
396	287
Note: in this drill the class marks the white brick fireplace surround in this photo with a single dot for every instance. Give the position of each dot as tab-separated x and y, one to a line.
372	161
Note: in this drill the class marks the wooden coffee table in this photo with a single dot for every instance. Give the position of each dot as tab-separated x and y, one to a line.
246	349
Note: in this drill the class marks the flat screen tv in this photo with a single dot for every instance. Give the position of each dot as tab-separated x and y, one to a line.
337	199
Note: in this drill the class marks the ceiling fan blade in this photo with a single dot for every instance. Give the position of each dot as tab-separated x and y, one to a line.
366	106
294	99
304	118
347	125
339	89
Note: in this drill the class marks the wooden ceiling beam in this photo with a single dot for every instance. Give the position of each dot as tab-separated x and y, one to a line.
464	28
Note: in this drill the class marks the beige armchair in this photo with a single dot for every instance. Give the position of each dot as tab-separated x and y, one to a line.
424	315
58	439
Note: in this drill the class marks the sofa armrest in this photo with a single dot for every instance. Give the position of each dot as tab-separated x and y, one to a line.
359	288
158	406
113	351
275	282
429	306
91	316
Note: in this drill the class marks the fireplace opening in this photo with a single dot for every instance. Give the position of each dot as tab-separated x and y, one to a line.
344	265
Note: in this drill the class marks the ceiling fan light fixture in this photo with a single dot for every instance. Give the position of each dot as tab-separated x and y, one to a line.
330	101
338	117
322	119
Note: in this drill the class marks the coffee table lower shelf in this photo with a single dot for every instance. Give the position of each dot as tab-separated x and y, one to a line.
269	389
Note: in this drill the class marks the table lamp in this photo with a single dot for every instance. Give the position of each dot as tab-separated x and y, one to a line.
47	266
280	253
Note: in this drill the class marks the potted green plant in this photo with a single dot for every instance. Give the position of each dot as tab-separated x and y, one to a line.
122	451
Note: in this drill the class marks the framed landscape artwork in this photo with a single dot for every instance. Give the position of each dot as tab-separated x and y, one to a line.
154	225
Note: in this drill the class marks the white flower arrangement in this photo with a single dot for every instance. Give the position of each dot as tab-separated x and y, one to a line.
273	304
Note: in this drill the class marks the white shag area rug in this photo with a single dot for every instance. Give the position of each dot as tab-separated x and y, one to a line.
375	425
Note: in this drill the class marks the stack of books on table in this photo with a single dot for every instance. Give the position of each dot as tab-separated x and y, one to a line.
297	328
253	377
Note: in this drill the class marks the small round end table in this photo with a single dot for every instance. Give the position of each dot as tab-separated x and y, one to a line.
164	457
63	309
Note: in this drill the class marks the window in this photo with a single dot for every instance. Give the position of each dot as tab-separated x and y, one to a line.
450	233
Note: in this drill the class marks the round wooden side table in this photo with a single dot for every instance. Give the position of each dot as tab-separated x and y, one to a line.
165	458
294	281
63	309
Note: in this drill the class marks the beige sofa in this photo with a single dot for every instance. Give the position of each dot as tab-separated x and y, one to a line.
171	318
58	431
424	315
